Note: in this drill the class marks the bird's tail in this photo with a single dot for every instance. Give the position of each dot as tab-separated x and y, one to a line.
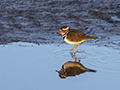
94	38
89	37
91	70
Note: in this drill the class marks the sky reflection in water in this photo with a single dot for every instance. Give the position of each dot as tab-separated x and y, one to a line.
26	66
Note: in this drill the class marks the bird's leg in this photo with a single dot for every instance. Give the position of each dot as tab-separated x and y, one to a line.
74	56
76	47
73	47
79	44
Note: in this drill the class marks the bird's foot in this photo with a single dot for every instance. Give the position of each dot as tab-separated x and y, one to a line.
73	47
79	44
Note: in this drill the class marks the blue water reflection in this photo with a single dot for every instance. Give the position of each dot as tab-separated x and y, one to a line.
73	68
25	66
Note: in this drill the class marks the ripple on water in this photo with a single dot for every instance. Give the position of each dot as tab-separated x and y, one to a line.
104	60
83	52
60	53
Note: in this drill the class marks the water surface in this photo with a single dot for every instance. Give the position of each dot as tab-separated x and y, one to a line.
30	66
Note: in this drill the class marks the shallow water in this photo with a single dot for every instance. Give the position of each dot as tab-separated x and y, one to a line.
29	66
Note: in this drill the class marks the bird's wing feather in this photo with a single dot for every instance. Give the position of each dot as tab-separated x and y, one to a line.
75	35
72	71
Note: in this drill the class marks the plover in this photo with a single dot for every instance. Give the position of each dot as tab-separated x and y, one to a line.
72	36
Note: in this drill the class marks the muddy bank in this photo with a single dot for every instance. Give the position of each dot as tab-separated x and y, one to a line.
38	21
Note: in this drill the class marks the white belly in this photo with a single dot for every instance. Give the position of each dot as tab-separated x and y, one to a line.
71	42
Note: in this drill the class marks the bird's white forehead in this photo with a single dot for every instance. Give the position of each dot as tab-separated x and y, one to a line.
66	28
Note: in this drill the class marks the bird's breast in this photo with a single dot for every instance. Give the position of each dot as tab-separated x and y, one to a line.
72	42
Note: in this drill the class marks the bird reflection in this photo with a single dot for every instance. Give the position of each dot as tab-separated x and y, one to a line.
73	68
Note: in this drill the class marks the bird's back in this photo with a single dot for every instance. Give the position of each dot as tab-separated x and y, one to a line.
76	36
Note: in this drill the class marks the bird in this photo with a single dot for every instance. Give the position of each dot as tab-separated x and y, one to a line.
72	68
73	36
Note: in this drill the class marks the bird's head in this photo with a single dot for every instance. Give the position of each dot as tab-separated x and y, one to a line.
61	74
63	30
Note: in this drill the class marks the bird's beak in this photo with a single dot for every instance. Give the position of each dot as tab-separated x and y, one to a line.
59	32
57	71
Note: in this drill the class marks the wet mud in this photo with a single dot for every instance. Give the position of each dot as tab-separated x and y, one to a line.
38	21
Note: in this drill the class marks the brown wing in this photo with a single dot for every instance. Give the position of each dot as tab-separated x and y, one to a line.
75	35
72	71
84	68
